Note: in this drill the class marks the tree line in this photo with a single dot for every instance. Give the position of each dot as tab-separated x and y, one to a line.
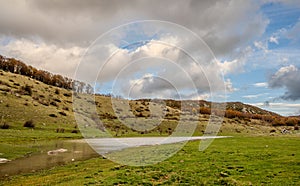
18	67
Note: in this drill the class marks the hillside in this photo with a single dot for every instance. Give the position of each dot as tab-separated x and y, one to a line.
49	108
36	99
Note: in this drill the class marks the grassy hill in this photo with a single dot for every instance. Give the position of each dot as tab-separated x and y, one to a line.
49	109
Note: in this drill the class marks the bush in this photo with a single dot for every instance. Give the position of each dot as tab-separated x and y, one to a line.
257	116
27	89
53	103
291	122
56	91
5	126
62	113
29	124
67	94
268	118
53	115
74	131
66	108
278	122
57	100
205	110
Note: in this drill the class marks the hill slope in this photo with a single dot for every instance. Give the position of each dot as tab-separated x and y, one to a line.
25	99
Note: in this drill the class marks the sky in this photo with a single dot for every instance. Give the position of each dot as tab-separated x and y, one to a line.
218	50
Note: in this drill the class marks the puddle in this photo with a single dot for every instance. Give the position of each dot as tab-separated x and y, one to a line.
63	152
58	153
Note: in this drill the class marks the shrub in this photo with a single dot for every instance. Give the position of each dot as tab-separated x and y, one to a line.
53	115
257	116
268	118
4	126
65	108
57	100
296	127
29	124
278	122
62	113
291	122
205	110
28	90
57	91
67	94
53	103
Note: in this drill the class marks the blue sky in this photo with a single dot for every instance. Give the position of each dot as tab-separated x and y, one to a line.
256	46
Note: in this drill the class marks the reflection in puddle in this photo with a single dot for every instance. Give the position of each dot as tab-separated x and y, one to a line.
59	153
62	152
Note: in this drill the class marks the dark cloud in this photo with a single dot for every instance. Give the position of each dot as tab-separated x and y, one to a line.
287	77
223	24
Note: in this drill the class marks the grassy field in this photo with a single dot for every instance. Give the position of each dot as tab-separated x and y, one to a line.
231	161
254	156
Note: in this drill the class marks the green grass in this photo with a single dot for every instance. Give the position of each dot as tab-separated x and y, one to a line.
230	161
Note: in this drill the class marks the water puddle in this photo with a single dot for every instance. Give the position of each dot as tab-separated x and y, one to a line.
63	152
58	153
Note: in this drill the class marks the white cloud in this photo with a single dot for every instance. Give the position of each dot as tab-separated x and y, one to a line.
254	96
65	28
40	55
285	109
287	77
73	22
237	65
273	39
261	46
261	84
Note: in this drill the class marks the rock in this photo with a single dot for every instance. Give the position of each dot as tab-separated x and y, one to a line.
4	160
224	174
55	152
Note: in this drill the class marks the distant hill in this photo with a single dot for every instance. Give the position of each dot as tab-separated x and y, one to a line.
49	106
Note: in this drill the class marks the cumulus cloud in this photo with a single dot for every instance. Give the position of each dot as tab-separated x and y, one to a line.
287	77
42	56
49	33
76	22
237	64
156	68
